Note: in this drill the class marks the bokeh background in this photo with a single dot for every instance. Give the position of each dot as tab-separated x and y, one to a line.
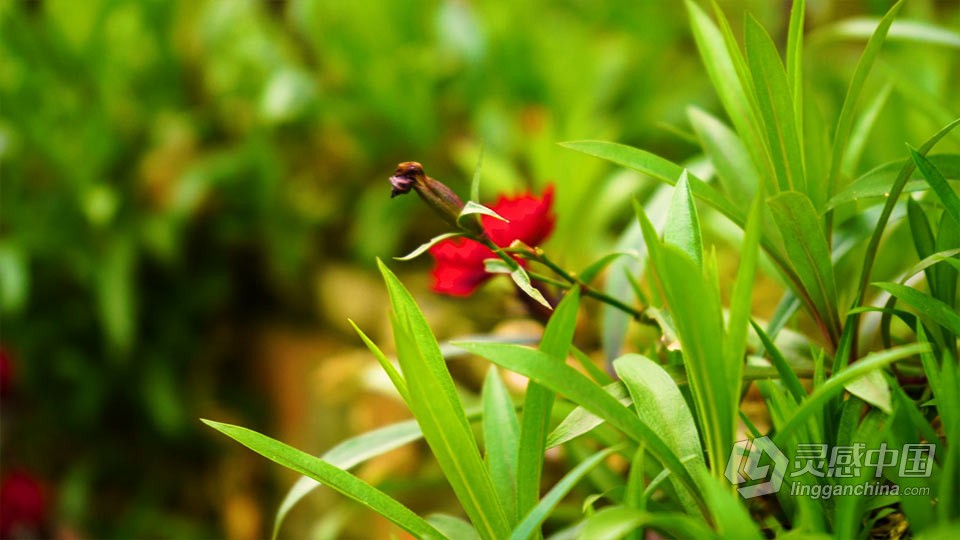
194	194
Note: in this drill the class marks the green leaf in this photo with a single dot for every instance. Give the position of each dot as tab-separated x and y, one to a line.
354	451
731	518
473	208
591	272
683	225
795	55
696	312
475	183
787	375
938	183
338	479
501	431
618	521
808	251
392	372
589	367
533	520
659	403
347	455
522	280
847	111
776	107
737	173
873	389
659	168
437	408
538	402
453	527
566	380
946	278
735	344
895	190
908	31
424	247
497	266
581	421
668	172
927	306
862	129
731	79
835	384
879	181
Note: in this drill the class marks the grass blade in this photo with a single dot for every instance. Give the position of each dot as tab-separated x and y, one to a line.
879	181
808	251
659	403
538	402
795	55
835	384
338	479
730	77
735	344
618	521
845	121
501	432
926	305
683	226
566	380
668	172
659	168
938	183
538	514
736	172
438	410
776	107
392	372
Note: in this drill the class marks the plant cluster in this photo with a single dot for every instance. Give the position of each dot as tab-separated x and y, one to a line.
653	437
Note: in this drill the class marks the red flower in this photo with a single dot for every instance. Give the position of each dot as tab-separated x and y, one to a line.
459	261
22	505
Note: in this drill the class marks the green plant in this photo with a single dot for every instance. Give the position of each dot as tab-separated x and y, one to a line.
787	179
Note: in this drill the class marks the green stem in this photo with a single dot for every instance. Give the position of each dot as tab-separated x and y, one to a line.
570	279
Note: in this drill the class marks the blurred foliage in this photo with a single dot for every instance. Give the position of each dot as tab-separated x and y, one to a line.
175	173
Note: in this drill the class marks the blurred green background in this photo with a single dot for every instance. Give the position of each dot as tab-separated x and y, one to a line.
194	194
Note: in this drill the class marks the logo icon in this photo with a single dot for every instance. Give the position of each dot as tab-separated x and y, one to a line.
744	467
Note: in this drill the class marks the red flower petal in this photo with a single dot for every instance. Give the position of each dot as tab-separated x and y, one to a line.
22	503
531	219
459	269
459	266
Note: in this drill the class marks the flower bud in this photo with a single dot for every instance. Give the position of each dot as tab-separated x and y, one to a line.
409	175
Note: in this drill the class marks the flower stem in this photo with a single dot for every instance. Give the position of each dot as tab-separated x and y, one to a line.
569	279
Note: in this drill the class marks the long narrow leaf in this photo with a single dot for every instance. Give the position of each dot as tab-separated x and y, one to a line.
538	514
845	121
928	306
564	379
535	423
437	408
939	184
338	479
774	97
501	432
835	384
810	255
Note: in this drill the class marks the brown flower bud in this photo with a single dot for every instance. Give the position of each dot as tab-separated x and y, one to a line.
409	175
